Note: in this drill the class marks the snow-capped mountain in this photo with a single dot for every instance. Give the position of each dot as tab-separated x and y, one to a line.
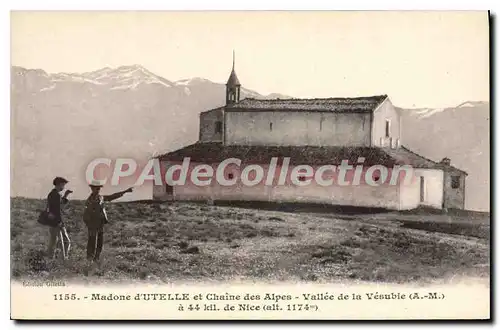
461	133
427	112
191	81
129	77
61	121
124	77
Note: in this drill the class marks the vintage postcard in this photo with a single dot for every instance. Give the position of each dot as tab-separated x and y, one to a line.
320	165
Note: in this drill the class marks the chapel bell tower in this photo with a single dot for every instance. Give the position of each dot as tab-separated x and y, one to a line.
233	87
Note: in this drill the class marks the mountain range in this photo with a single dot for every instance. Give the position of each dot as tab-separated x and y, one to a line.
61	121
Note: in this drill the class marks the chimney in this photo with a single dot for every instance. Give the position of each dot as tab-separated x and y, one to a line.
445	161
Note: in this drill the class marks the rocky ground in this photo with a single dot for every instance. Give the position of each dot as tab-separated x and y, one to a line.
186	241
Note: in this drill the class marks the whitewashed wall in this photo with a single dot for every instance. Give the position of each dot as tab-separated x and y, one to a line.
386	111
363	195
433	190
297	128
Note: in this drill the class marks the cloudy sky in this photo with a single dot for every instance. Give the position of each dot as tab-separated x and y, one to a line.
420	59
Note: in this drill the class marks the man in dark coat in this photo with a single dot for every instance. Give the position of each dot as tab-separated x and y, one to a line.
95	218
56	226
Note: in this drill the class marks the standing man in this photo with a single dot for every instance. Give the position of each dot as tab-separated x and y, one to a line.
56	226
95	218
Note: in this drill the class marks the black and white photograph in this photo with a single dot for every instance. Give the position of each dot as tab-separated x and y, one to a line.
246	165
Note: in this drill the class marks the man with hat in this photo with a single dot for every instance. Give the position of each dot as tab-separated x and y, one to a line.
95	218
56	226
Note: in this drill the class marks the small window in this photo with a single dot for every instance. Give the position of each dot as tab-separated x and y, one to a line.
169	190
455	182
422	189
230	176
387	128
218	127
270	126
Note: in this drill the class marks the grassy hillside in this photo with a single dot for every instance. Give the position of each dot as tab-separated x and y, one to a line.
183	241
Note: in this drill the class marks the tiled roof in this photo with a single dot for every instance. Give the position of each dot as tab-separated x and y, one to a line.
308	155
351	104
404	155
218	108
213	152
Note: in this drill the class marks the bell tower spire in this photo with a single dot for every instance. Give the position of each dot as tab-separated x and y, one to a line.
233	86
233	61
